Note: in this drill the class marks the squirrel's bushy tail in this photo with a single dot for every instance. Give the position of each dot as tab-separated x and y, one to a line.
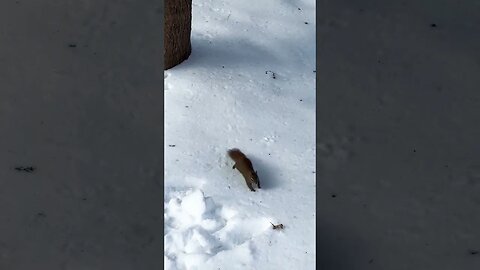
235	153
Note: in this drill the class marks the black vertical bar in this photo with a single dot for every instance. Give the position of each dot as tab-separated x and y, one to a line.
81	134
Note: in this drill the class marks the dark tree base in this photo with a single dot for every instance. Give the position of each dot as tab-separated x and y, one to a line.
178	27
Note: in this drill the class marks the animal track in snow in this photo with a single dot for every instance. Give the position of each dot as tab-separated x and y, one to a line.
200	233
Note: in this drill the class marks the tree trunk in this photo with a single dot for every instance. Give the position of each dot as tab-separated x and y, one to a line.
178	27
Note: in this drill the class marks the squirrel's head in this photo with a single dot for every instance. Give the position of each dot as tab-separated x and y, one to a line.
254	177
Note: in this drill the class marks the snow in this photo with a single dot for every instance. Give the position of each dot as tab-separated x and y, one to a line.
250	84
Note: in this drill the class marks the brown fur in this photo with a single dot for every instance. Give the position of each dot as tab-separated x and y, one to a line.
245	167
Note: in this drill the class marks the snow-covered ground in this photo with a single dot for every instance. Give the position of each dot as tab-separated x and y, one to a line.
250	84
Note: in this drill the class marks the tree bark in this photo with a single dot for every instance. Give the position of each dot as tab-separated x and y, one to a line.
178	27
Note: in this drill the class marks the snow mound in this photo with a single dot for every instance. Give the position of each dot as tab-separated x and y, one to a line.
201	234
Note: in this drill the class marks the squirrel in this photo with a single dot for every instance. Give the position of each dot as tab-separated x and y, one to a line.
245	167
